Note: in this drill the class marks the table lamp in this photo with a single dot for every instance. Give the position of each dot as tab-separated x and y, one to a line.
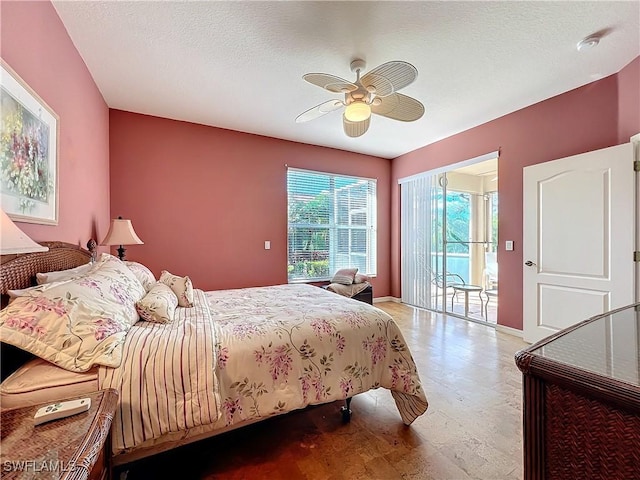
121	233
13	240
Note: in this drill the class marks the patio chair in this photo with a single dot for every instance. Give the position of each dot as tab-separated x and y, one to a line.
444	281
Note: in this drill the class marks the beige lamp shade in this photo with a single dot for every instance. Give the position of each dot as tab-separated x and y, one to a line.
13	240
121	233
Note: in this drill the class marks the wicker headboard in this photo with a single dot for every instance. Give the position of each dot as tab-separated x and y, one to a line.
19	271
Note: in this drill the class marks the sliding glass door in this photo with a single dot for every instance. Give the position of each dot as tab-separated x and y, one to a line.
464	246
449	234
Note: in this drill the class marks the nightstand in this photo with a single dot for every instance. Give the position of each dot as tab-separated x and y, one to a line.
76	447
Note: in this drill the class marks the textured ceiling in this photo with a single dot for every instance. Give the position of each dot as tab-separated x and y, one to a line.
239	65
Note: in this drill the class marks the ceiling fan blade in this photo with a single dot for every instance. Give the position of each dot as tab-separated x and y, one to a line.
399	107
319	110
330	82
390	77
355	129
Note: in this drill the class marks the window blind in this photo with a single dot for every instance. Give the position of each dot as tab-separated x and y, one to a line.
331	224
417	225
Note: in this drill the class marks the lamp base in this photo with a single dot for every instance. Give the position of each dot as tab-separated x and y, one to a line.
121	251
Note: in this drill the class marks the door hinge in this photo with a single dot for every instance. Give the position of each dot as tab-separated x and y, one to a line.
636	165
636	256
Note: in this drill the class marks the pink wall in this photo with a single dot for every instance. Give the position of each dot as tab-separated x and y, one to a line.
169	176
35	43
575	122
629	101
205	199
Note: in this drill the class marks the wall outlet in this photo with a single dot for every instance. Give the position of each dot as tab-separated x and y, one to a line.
508	245
267	245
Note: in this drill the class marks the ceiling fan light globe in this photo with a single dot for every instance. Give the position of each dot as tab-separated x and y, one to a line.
357	111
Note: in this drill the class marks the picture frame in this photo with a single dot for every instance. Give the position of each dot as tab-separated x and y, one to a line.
29	146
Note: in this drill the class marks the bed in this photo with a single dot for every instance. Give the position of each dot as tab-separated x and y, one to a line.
231	358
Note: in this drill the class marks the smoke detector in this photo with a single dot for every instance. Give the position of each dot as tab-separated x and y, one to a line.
588	43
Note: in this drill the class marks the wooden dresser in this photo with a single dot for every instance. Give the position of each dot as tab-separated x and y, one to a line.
582	400
72	448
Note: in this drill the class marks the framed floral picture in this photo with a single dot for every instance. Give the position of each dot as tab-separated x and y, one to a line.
28	152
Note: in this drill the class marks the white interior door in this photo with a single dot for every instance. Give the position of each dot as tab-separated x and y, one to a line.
579	230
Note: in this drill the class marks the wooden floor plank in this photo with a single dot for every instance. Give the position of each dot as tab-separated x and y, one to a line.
472	430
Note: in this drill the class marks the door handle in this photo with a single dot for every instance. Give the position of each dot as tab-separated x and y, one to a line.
529	263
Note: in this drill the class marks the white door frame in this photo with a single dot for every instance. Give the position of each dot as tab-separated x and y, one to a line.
635	142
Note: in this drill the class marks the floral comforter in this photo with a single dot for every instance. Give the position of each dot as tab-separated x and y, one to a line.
241	355
285	347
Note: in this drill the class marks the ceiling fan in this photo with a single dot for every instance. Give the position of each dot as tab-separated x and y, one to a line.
374	92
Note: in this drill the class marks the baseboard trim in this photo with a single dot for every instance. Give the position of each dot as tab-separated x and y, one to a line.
509	330
386	299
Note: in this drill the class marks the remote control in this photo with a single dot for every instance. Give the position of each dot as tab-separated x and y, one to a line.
61	410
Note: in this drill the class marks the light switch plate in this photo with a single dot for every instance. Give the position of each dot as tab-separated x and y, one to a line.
267	245
508	245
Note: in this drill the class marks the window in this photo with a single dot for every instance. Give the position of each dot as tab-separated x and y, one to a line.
331	224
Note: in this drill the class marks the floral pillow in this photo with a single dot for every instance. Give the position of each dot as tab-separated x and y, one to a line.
143	274
181	286
61	275
158	305
76	323
345	276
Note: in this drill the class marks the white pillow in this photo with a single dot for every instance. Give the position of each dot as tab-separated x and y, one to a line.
61	275
18	292
143	274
